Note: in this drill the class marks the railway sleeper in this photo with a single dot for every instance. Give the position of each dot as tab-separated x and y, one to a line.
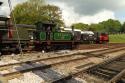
100	75
106	72
111	70
63	79
103	72
121	60
121	80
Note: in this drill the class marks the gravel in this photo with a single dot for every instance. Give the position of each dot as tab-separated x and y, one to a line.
27	78
48	74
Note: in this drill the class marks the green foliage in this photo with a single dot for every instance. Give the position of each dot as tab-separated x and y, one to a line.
117	38
33	11
81	26
53	13
123	27
111	26
96	27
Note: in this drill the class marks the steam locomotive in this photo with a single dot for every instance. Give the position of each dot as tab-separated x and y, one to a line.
44	36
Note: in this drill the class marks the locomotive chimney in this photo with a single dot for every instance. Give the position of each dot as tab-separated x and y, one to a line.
72	28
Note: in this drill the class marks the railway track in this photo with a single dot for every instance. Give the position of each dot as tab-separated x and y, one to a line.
88	54
94	46
109	71
34	66
82	46
122	79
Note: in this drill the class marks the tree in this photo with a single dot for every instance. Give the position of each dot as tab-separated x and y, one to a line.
81	26
53	13
123	27
96	27
33	11
111	25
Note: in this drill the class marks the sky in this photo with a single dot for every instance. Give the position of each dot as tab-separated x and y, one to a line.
85	11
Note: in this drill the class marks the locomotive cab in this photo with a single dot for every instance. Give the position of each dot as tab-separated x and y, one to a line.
43	29
102	38
48	27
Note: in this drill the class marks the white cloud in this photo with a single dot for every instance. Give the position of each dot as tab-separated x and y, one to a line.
70	16
86	11
4	9
99	17
3	12
90	7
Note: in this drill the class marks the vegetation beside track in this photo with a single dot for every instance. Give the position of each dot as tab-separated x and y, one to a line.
117	38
